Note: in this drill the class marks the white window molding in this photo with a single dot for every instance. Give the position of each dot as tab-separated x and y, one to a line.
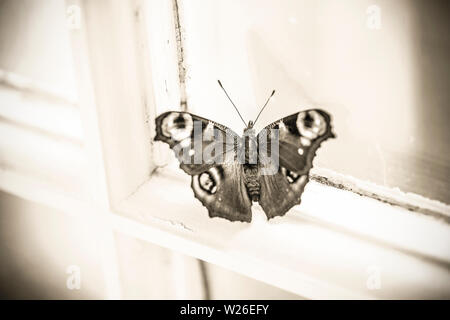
27	104
323	233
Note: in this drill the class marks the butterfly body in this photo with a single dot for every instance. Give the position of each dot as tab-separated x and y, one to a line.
251	180
229	172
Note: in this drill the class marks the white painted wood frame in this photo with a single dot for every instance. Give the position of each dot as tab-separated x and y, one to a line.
331	246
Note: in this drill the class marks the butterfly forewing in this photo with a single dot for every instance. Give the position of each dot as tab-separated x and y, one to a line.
198	143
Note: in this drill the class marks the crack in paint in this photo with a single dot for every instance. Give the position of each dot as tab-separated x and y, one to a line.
386	199
180	52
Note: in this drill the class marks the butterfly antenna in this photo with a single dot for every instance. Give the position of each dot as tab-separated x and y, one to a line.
220	84
265	104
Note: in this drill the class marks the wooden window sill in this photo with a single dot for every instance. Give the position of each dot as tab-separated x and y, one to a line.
323	248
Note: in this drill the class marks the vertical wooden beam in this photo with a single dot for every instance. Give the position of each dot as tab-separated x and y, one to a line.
119	93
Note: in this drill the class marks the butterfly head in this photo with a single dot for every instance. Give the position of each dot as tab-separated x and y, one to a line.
249	130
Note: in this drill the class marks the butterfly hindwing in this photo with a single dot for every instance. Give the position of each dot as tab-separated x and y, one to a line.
281	191
217	181
221	189
300	135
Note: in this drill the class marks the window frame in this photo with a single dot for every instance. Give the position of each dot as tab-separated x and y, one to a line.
139	210
119	98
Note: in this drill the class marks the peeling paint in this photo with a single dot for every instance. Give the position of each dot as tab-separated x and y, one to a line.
395	197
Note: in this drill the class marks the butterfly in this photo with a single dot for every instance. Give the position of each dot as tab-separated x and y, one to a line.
271	168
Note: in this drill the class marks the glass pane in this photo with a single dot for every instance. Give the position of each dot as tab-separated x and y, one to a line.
380	70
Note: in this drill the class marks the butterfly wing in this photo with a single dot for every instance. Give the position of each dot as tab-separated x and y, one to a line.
280	192
198	143
299	137
221	189
207	151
